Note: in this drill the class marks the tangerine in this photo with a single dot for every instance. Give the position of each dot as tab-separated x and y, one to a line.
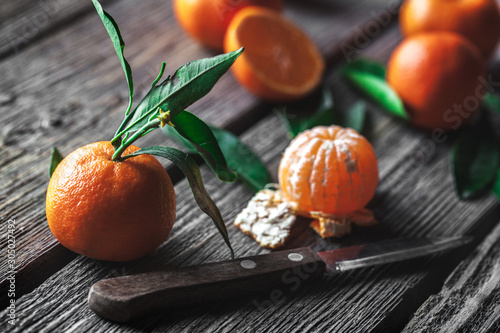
437	77
280	62
328	170
107	210
207	20
477	20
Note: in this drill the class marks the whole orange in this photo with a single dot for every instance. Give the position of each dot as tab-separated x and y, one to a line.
207	20
107	210
328	170
477	20
437	75
280	62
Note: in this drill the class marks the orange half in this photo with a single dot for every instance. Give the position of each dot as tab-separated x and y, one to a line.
280	62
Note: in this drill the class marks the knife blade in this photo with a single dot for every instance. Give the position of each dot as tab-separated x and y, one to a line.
127	297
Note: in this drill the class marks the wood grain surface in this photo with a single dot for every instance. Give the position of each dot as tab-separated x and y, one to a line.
63	77
469	300
65	88
23	22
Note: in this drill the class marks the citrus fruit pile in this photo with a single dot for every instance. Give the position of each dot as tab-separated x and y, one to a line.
436	70
280	63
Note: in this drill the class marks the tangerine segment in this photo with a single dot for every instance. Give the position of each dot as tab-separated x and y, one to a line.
328	170
107	210
207	20
280	62
437	77
477	20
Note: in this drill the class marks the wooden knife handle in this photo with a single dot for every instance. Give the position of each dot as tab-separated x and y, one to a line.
127	297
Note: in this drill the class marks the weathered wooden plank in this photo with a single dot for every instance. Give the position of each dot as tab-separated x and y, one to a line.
469	300
415	198
23	22
331	296
67	88
185	238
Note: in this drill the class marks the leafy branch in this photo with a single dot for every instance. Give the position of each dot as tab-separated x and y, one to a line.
165	100
160	108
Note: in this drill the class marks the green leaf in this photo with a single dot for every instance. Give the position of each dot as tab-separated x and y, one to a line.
323	115
188	84
190	169
368	77
496	186
114	33
367	66
475	159
492	102
355	117
249	167
174	135
55	159
200	137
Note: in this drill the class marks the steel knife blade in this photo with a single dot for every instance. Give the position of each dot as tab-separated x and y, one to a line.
127	297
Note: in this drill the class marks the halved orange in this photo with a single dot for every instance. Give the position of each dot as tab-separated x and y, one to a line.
280	62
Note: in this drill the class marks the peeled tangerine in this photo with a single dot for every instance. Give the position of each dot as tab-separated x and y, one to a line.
330	174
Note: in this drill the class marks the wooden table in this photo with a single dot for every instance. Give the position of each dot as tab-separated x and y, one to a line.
61	85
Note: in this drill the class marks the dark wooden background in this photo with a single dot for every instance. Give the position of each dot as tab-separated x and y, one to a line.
61	84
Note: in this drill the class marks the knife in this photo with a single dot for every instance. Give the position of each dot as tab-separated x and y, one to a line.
127	297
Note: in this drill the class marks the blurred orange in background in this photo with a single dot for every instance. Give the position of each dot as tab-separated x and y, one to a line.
437	75
477	20
207	20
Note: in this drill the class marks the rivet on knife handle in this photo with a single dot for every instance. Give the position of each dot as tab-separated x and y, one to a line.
127	297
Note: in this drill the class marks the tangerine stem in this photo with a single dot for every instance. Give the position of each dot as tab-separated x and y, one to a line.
118	152
123	131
